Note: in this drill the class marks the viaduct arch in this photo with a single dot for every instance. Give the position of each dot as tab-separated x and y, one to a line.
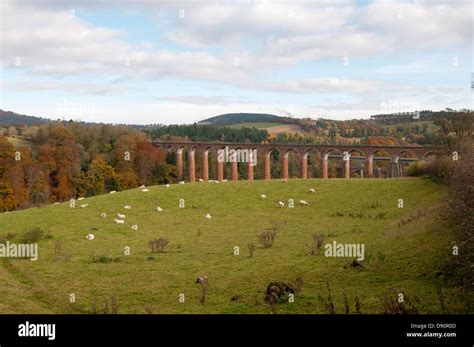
365	153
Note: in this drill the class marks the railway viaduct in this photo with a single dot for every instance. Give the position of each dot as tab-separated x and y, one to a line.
367	153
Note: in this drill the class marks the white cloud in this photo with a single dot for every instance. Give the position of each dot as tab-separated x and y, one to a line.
267	37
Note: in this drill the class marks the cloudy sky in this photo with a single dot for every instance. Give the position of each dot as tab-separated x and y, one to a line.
147	61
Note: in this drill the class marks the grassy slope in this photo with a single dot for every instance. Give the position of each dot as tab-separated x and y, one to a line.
431	126
403	259
257	125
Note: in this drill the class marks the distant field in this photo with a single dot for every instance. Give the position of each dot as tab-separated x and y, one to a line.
18	142
272	128
255	125
398	259
431	126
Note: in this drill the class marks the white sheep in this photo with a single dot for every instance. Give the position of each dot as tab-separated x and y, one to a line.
119	221
167	185
207	216
303	203
81	198
281	204
201	180
112	192
122	216
145	190
159	209
182	182
90	236
134	227
56	203
311	190
128	207
224	180
103	215
84	205
142	186
263	196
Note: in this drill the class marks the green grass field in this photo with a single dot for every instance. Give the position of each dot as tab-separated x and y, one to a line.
257	125
432	128
398	259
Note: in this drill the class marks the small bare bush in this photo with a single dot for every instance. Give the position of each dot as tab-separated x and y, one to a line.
251	248
267	238
158	245
32	235
391	304
317	243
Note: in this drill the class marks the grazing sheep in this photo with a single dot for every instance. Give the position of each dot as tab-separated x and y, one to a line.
311	190
119	221
122	216
303	203
207	216
90	236
145	190
134	227
81	198
167	185
285	180
128	207
224	180
159	209
182	182
84	205
217	182
56	203
281	204
201	180
263	196
103	215
142	186
112	192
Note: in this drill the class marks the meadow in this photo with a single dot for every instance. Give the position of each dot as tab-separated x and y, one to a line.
404	249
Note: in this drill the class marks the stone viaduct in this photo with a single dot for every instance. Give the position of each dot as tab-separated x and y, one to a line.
367	153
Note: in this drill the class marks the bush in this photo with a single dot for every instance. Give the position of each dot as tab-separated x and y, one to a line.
317	243
105	259
32	235
158	245
8	236
438	169
267	238
460	217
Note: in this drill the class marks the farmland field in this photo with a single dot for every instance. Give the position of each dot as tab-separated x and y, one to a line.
399	257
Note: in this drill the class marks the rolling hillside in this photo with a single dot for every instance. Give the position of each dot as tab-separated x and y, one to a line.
12	118
400	256
238	118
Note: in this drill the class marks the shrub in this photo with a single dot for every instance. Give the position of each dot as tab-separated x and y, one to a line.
267	238
32	235
460	217
438	169
317	243
158	245
251	247
391	304
105	259
8	236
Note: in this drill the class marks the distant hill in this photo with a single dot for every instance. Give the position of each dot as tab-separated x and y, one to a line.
12	118
238	118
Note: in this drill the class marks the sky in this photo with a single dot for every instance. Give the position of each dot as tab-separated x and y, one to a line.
171	62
